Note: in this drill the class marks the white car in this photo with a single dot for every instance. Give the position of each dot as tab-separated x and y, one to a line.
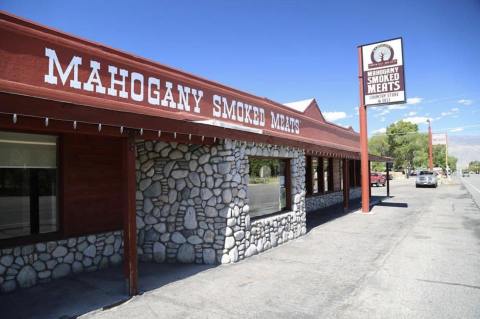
426	178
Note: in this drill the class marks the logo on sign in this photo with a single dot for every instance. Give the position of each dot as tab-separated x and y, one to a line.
382	55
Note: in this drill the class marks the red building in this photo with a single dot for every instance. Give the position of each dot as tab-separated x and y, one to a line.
106	157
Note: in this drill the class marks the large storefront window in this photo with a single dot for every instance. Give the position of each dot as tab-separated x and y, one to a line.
28	184
268	186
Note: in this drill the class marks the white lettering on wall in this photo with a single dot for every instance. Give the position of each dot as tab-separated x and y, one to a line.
197	95
123	74
136	77
53	61
217	108
168	98
175	96
183	93
94	78
153	91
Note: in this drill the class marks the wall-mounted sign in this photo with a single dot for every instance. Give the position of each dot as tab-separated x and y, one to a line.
108	80
439	139
382	72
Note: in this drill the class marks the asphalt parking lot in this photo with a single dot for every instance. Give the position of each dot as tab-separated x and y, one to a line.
416	256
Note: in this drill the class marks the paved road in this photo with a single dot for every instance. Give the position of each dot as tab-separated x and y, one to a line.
472	183
420	261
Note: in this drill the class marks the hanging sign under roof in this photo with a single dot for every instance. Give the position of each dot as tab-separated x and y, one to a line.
382	72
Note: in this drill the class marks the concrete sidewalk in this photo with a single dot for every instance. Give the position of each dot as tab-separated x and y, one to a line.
416	256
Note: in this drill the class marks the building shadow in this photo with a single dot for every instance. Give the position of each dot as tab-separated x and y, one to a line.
321	216
388	204
79	294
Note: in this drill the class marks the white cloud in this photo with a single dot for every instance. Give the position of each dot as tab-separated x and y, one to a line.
382	130
448	113
457	129
412	113
414	100
417	119
397	107
383	119
465	102
334	116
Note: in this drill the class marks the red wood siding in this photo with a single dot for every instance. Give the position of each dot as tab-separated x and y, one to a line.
92	181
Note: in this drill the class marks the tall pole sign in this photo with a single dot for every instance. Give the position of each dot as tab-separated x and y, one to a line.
430	147
382	82
442	139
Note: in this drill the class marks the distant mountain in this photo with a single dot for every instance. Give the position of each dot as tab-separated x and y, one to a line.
464	147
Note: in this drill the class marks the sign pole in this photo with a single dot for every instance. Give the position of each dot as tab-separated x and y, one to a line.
446	155
430	147
363	140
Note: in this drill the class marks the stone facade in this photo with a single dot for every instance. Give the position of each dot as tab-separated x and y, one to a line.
28	265
191	207
184	193
245	237
317	202
192	203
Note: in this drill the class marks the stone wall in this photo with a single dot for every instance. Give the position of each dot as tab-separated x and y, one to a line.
28	265
192	204
317	202
246	237
184	193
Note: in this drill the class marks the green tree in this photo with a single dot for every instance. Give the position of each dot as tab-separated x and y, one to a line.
439	158
474	166
378	145
402	138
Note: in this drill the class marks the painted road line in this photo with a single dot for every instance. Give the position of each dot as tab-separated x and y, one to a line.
470	184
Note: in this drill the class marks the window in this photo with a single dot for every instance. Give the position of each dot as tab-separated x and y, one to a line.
268	186
351	172
327	175
28	184
340	173
314	179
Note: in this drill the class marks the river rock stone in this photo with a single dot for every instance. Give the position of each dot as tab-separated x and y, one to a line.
27	277
60	251
159	252
190	221
186	254
178	238
60	270
153	190
209	256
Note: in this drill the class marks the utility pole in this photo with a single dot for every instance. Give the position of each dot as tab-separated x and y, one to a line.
446	155
364	163
430	151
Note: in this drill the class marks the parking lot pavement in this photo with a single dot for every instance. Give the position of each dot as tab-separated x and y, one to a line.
416	256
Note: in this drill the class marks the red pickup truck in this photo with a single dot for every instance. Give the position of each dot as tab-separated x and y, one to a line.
377	179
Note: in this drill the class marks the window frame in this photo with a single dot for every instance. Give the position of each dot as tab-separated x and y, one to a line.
58	234
288	186
320	179
309	176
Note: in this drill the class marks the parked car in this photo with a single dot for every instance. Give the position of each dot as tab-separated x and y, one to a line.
377	179
426	178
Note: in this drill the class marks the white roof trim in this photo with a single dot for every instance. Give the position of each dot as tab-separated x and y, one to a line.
300	106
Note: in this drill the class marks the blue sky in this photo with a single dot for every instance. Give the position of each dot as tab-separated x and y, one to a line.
293	50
